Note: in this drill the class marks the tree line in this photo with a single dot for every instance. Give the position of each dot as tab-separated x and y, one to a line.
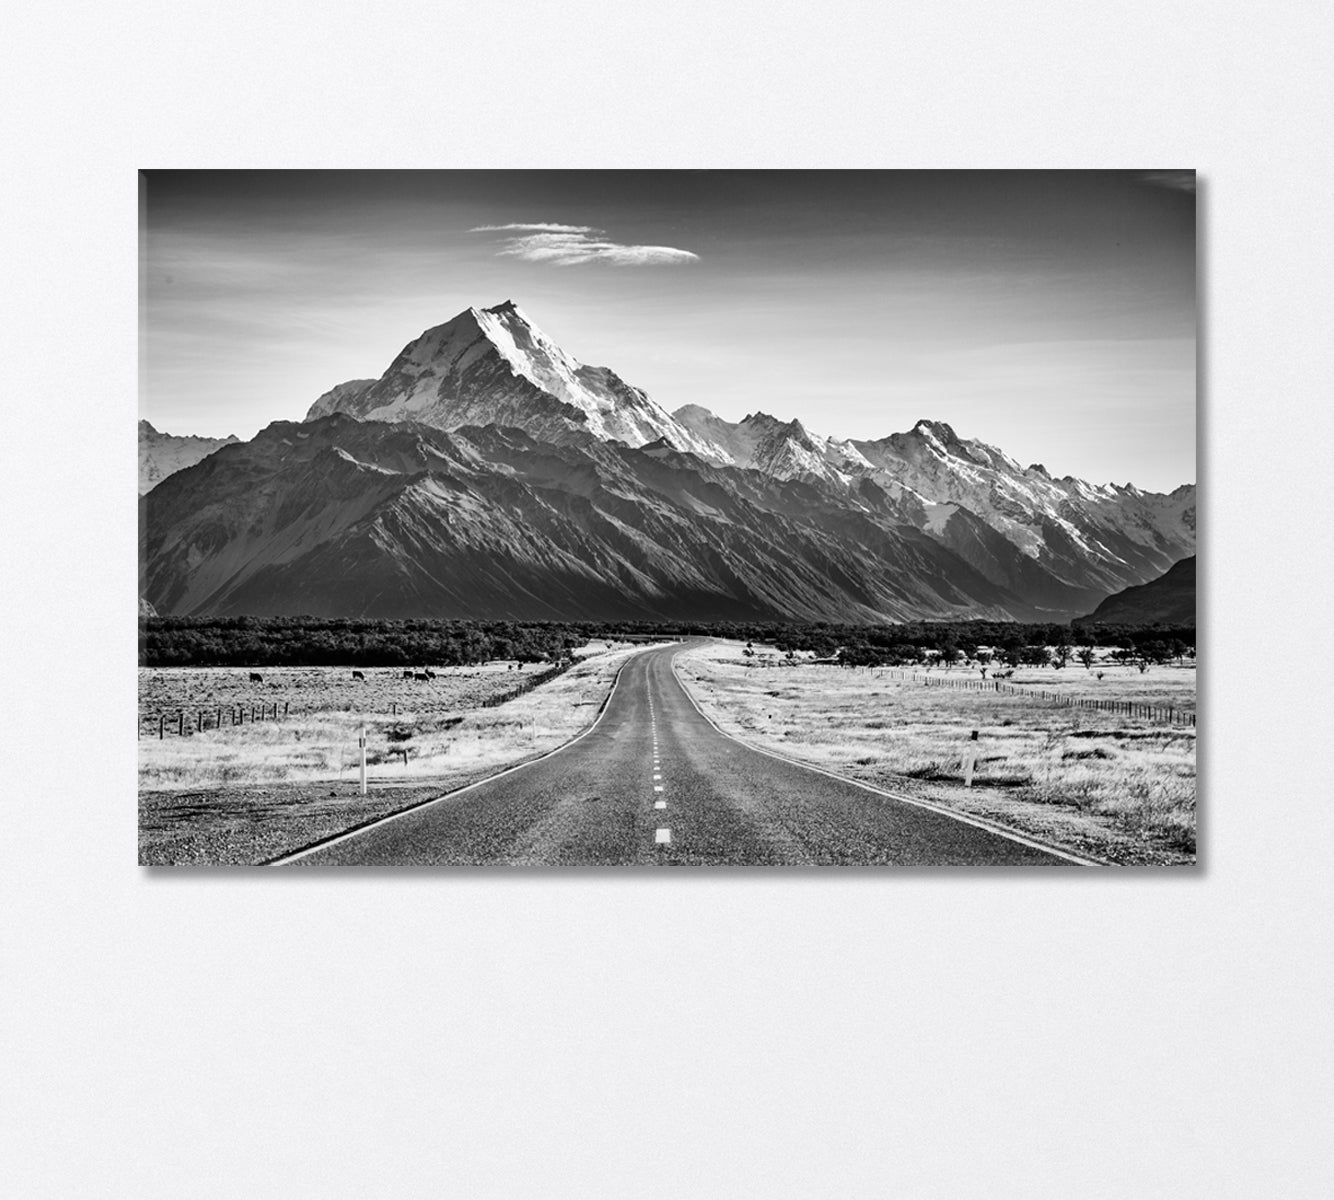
340	641
318	642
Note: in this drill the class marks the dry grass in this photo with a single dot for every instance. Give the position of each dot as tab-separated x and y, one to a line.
1118	785
438	729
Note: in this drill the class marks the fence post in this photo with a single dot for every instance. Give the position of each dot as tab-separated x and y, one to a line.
199	721
161	725
180	723
361	745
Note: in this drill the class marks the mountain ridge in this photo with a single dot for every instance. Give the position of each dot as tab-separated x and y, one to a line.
1168	600
404	461
411	521
162	454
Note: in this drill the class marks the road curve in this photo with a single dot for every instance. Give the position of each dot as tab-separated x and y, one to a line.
654	783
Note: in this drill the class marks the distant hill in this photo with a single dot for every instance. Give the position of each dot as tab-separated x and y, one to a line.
1167	600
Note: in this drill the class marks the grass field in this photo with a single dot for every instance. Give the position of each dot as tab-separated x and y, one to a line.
439	724
308	691
241	794
1120	787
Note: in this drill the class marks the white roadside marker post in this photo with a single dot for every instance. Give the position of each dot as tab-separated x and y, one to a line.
970	761
361	745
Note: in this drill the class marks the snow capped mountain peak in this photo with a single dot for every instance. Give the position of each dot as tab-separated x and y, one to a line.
782	449
937	429
493	366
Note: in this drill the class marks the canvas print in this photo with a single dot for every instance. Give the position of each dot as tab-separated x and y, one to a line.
667	518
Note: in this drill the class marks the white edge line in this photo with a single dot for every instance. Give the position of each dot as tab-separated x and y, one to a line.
977	822
316	847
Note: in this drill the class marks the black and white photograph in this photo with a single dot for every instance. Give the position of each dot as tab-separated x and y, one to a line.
561	518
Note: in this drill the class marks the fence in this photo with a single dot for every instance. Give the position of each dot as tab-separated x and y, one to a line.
1147	712
180	723
527	685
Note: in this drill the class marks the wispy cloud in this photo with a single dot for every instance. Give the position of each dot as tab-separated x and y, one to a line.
569	245
1183	181
542	226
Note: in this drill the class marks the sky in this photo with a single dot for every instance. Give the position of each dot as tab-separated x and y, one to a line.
1050	313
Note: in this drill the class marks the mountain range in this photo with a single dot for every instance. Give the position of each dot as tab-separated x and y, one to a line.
163	454
488	473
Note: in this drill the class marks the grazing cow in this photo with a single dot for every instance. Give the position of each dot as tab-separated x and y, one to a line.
422	678
256	677
358	675
407	675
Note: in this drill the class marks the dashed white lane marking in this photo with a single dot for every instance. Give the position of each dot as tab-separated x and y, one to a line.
657	787
656	775
660	804
662	837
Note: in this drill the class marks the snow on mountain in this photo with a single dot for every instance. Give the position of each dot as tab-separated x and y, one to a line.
492	366
1086	534
1081	539
1064	543
162	454
783	449
337	397
788	451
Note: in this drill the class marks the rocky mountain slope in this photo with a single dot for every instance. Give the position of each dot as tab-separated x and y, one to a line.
1056	540
162	454
344	517
485	443
1167	600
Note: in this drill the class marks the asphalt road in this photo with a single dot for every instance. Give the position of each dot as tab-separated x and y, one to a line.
653	783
